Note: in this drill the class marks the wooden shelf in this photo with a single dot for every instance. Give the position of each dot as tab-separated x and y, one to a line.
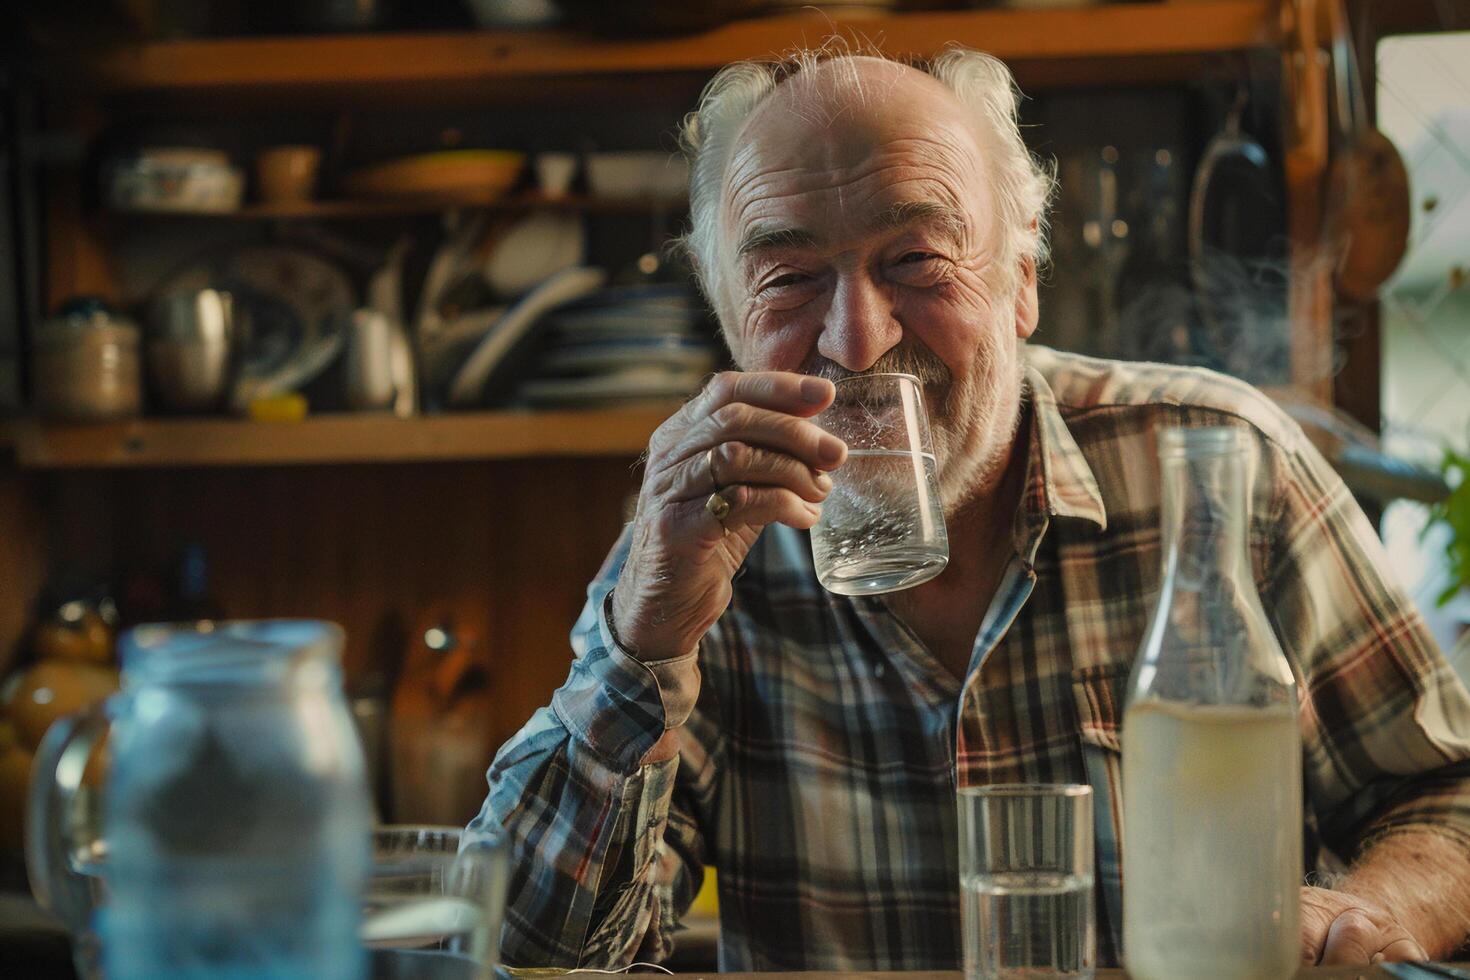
391	207
345	438
1134	30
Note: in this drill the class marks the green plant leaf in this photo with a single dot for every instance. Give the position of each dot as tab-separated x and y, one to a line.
1454	513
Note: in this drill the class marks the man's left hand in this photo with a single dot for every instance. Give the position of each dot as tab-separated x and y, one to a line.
1339	929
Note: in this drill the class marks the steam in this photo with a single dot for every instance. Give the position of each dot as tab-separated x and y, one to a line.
1233	315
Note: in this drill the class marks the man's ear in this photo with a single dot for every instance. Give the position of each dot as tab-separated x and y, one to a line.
1026	303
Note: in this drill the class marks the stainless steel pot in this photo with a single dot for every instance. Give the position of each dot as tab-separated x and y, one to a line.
191	339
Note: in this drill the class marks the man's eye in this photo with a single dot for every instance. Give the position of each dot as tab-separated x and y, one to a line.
913	258
781	282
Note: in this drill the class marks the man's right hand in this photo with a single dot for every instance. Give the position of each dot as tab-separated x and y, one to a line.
747	435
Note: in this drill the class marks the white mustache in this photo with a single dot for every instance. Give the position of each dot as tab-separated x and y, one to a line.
921	363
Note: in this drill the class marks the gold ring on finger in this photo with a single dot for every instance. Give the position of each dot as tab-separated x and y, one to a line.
719	509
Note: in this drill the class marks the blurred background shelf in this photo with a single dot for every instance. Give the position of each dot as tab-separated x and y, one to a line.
394	207
346	438
336	62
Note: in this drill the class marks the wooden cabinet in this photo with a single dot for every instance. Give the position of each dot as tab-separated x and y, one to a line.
501	516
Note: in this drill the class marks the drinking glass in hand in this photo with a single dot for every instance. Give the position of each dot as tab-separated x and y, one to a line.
1026	874
432	910
882	526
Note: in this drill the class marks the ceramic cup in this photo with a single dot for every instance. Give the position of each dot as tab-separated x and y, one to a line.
287	174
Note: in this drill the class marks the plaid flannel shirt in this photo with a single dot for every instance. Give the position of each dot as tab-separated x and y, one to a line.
821	743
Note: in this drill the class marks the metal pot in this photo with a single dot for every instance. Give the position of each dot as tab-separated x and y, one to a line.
191	340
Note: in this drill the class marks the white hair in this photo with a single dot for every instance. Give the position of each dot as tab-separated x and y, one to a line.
1022	185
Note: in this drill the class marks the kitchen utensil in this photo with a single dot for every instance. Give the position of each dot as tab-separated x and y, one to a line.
663	297
183	179
287	174
368	378
1306	91
882	525
1368	212
637	174
444	353
304	365
385	288
50	690
596	326
433	903
555	173
533	249
453	259
86	366
1236	228
485	174
1230	714
1232	187
669	351
297	306
1026	881
494	355
235	821
401	370
441	711
191	335
315	288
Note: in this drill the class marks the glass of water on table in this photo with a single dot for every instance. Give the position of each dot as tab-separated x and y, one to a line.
432	908
1026	881
882	526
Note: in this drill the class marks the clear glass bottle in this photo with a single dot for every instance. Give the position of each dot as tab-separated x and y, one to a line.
1212	796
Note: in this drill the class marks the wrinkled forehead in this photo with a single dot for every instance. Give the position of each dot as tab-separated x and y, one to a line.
849	120
853	90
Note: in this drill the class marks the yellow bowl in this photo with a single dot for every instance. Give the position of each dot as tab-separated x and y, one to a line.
479	173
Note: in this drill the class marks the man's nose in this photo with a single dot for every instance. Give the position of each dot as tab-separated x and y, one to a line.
860	326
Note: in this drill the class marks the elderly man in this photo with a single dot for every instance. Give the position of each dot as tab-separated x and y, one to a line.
851	214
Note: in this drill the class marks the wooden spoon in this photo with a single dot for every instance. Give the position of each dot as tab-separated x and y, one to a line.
1367	184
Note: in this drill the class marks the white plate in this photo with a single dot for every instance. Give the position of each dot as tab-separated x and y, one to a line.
533	249
590	329
646	297
677	353
507	332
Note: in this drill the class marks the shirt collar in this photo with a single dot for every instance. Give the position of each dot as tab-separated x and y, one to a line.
1059	483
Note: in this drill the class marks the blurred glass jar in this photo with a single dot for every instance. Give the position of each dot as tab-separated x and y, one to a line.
232	839
86	364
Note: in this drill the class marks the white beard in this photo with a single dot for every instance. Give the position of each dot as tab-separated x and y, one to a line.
974	434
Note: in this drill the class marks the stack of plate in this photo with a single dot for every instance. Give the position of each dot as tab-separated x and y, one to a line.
623	344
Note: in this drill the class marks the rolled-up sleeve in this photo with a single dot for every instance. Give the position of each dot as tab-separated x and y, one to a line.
1385	719
585	815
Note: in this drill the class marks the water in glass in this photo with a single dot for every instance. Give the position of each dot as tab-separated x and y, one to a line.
1032	924
882	528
